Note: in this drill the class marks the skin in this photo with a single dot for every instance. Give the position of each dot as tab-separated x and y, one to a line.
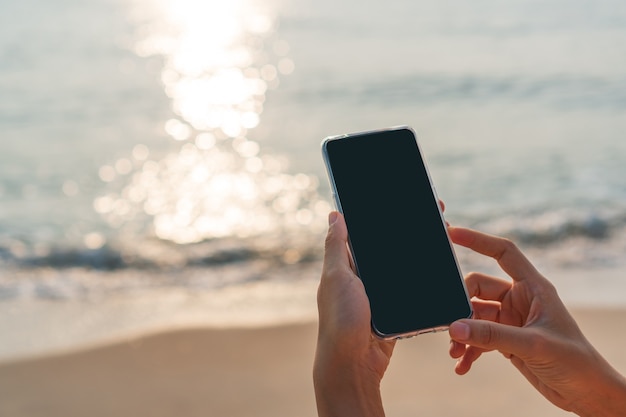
522	318
350	361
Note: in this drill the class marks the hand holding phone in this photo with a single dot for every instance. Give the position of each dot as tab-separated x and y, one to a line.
397	235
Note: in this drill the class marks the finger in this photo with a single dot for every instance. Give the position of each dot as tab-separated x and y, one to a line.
488	335
486	310
335	248
457	349
442	206
486	287
336	263
386	346
508	255
337	276
464	364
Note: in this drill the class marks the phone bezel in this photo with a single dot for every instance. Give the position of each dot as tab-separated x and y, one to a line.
337	203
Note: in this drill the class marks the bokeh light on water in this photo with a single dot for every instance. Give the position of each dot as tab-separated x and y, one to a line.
219	60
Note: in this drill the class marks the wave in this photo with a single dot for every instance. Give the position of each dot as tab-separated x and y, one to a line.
78	273
557	226
154	254
532	229
561	237
540	229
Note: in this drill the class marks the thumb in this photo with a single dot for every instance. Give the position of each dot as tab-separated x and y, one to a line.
489	335
335	248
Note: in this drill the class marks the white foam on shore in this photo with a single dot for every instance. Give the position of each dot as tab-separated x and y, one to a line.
32	327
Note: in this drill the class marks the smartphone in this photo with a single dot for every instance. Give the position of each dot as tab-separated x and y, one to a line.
397	234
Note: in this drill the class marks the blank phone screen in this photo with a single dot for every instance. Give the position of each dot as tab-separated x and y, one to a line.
397	236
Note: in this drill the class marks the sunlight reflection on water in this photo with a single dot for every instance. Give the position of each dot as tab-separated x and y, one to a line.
219	60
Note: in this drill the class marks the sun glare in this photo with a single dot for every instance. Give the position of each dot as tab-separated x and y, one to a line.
219	60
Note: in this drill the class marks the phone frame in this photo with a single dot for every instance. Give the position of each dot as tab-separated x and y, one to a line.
337	203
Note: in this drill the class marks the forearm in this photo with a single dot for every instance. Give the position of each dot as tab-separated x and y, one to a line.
345	391
606	396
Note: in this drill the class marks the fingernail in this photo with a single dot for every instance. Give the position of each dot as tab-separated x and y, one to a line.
459	331
332	218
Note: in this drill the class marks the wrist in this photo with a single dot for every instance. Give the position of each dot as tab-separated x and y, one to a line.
606	397
344	388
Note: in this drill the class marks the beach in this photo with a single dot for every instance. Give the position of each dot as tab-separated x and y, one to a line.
163	198
266	371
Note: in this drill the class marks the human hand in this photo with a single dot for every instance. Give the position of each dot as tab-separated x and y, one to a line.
349	360
528	323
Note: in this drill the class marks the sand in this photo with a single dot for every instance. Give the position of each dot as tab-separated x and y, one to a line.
267	372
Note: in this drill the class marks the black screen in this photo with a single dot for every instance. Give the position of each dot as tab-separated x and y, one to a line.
397	236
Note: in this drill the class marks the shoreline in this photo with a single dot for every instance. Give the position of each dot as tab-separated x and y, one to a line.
43	327
39	326
266	371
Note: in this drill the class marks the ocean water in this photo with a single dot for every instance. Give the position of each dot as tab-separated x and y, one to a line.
160	161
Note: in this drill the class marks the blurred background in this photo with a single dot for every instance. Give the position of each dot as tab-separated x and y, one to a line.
160	159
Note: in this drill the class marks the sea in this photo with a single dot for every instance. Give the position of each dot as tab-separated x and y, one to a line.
160	160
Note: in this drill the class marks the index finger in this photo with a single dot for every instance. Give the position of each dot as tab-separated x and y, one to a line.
508	255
